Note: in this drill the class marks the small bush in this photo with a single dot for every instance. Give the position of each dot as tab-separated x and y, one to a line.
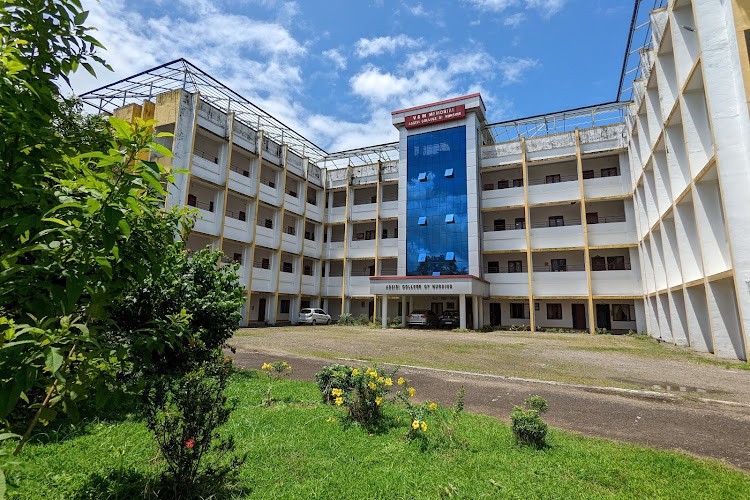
367	393
395	322
184	413
430	424
275	371
335	376
527	425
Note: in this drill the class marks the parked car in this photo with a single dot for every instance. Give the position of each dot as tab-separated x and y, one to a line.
423	317
450	319
312	316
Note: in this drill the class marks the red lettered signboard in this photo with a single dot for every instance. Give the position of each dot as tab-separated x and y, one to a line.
437	116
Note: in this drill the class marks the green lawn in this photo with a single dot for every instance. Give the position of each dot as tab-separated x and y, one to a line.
296	451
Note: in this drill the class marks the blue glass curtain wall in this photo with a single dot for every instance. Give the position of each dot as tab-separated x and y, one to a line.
436	213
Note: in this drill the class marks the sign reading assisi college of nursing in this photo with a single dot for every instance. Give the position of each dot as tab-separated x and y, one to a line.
436	116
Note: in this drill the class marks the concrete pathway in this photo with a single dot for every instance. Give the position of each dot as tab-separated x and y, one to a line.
707	428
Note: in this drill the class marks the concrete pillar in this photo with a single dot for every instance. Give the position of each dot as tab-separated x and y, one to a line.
384	314
462	311
481	311
404	310
475	311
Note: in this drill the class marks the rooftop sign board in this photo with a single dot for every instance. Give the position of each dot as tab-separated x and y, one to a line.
437	116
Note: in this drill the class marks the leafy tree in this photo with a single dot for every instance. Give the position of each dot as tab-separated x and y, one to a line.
193	304
75	229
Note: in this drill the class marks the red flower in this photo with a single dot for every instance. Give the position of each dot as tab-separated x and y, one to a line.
189	443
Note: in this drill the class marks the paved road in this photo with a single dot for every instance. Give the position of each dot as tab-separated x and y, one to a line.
669	422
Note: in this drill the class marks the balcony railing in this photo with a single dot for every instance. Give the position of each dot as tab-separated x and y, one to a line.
205	205
239	170
213	157
559	268
491	186
611	267
605	220
553	179
558	223
239	214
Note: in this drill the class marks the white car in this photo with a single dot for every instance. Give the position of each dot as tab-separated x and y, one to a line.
314	317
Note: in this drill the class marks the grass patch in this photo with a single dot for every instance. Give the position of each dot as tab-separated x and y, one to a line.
295	451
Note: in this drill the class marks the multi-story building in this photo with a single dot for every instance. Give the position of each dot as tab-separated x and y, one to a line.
624	216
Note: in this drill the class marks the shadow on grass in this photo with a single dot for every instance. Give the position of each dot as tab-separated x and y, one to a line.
89	417
130	484
386	423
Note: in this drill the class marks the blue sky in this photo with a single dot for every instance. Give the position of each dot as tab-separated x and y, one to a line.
335	69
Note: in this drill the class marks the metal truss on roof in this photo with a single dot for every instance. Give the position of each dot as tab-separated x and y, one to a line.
182	74
362	156
555	123
639	40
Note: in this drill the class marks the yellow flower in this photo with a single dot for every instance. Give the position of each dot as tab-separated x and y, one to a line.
339	401
388	381
415	425
266	366
374	374
401	381
378	400
381	380
367	372
355	372
337	392
372	386
423	425
332	419
433	406
412	391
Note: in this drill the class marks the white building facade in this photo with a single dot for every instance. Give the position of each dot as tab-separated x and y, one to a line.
628	216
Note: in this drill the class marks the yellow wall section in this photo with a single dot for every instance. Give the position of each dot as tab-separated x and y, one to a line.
166	107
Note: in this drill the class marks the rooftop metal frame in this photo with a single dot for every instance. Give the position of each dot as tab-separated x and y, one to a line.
639	40
362	156
182	74
559	122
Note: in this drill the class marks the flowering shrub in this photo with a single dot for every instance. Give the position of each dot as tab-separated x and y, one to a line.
333	377
527	425
442	421
275	371
184	413
365	395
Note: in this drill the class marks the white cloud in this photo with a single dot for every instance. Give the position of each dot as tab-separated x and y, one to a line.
425	76
376	85
515	20
547	8
336	56
417	10
375	46
493	5
513	68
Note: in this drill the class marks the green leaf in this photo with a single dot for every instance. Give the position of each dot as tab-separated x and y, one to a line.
121	126
162	150
105	265
81	17
56	221
124	227
53	359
